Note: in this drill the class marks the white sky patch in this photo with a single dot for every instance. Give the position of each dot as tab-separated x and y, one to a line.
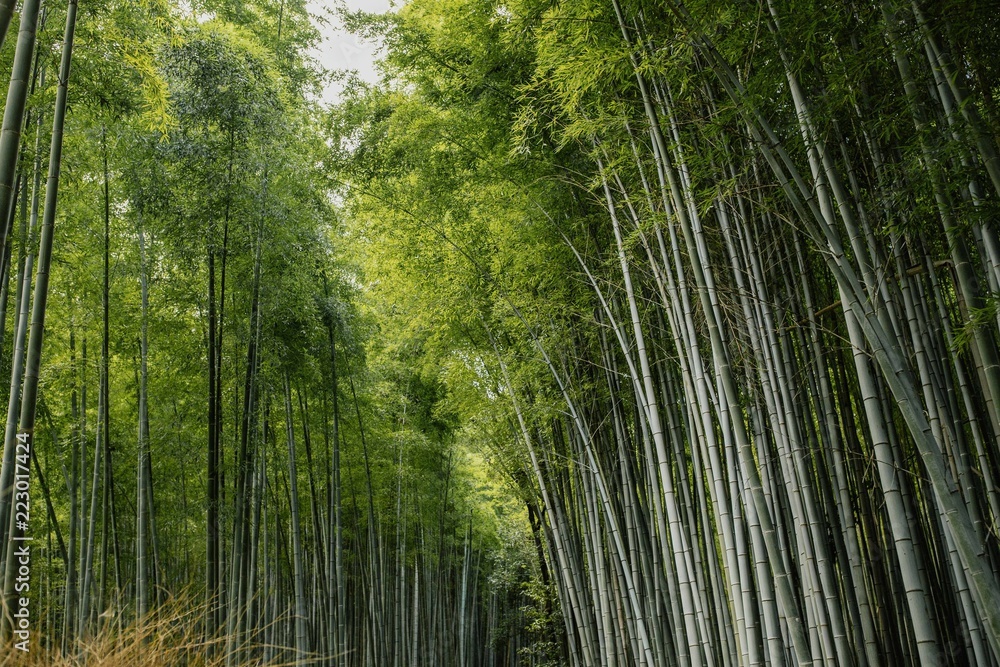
339	49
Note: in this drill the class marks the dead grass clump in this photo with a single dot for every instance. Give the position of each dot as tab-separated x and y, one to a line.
169	636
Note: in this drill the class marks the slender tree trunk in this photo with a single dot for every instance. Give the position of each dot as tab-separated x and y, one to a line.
144	492
6	13
17	93
25	435
301	638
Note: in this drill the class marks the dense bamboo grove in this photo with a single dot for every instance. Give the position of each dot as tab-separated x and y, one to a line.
731	268
601	332
213	452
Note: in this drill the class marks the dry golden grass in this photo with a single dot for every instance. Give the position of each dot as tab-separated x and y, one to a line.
170	636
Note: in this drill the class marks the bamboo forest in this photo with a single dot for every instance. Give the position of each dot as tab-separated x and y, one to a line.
575	333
